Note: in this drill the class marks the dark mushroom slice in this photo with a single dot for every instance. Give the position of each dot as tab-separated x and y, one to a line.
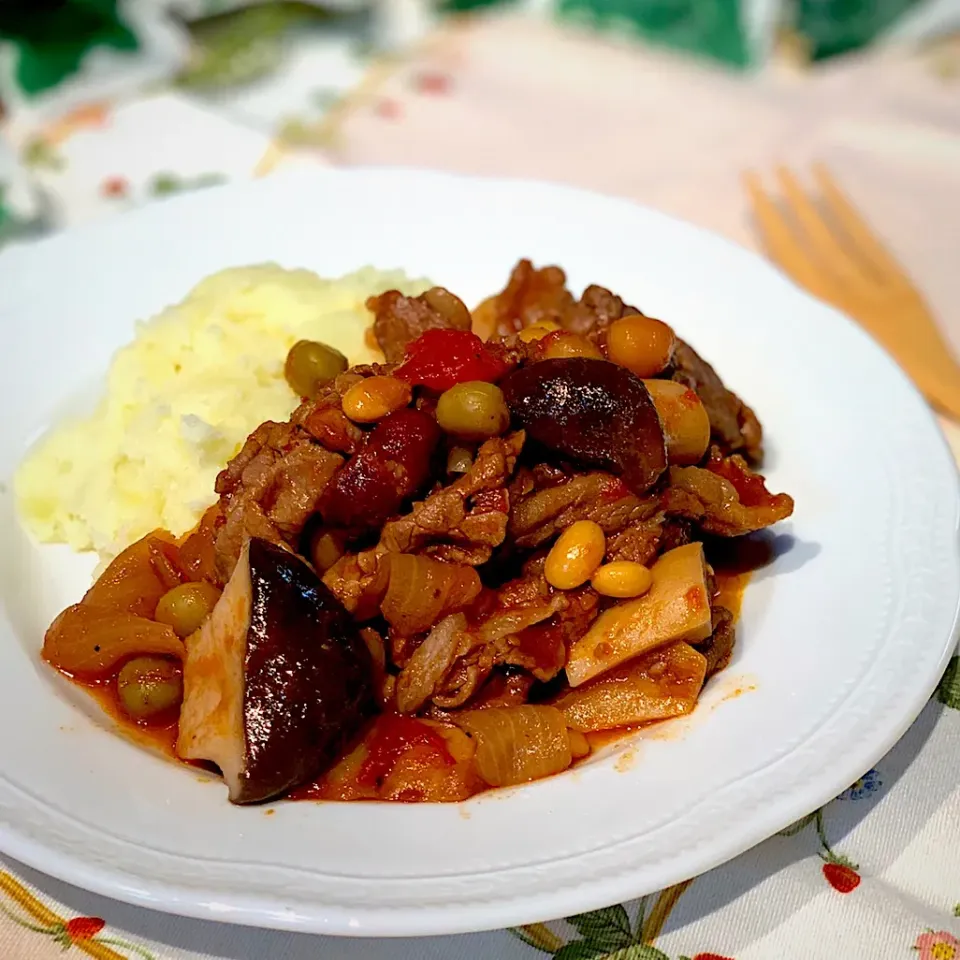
276	681
593	411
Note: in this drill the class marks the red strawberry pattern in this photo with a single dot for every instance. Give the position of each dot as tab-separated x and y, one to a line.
842	877
83	928
432	82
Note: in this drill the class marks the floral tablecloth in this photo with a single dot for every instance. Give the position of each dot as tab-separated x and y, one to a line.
875	873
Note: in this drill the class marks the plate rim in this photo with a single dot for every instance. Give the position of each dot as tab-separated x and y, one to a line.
476	915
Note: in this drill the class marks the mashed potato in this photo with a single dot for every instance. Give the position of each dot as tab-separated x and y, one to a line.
181	399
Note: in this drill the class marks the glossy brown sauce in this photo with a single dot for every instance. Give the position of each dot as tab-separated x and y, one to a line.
730	586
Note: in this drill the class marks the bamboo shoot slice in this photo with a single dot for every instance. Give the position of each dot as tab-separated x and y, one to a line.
661	684
677	607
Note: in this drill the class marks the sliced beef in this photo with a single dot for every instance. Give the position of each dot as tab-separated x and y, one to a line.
594	312
597	496
270	489
676	532
426	668
718	647
326	422
640	541
535	295
530	296
467	519
733	426
461	523
724	498
497	637
526	623
399	320
541	649
505	687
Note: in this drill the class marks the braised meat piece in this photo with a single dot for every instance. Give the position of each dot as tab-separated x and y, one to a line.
535	295
640	542
326	422
718	647
530	296
598	496
733	425
725	498
270	489
464	521
505	687
459	654
594	312
530	625
461	523
399	320
541	649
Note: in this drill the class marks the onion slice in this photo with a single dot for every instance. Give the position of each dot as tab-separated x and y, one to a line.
517	744
421	590
90	641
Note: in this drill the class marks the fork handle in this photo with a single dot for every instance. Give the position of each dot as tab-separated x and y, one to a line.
917	345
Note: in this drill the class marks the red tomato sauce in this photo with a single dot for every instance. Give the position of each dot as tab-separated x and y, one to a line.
395	735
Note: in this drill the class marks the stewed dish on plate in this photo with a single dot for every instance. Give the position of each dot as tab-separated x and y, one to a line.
449	570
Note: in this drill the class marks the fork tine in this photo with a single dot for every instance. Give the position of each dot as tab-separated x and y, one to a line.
834	256
779	240
845	213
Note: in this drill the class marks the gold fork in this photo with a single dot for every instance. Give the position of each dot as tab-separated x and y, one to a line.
826	247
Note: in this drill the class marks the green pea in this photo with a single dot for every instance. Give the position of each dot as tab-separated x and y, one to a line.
311	365
473	411
186	607
149	685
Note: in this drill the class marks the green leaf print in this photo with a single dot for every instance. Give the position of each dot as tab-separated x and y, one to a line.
948	692
711	28
4	213
165	184
244	45
837	26
580	950
608	929
798	825
607	933
585	950
52	43
639	951
38	153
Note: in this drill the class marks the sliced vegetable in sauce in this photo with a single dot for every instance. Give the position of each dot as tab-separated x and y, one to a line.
654	686
677	607
90	641
517	744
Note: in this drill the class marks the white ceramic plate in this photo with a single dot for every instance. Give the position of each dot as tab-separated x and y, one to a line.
841	642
